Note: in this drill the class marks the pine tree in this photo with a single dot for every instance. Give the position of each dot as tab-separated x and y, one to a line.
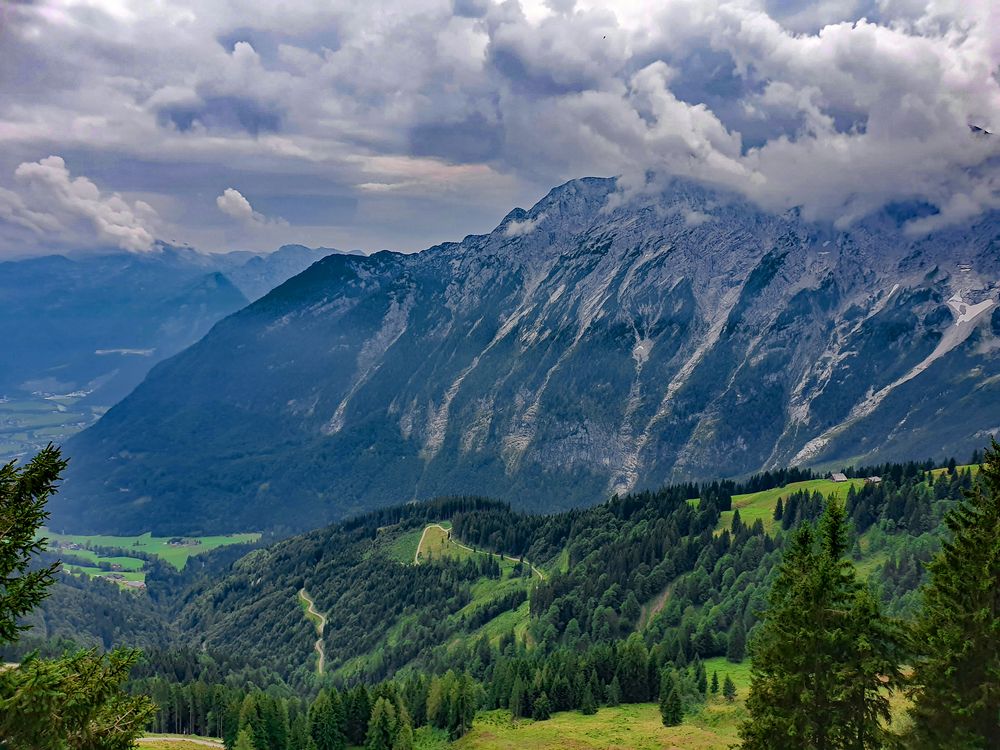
23	494
779	508
737	523
359	710
631	610
956	695
729	689
614	692
826	658
244	740
632	670
737	642
588	706
252	718
715	683
381	726
338	720
325	725
542	709
404	734
518	699
700	677
298	735
671	709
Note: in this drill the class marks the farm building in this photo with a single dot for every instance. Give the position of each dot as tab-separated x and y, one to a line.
838	477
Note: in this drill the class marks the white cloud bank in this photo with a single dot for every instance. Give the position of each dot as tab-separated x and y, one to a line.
418	120
54	204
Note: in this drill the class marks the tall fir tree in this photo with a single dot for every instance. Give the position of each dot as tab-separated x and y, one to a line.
956	673
359	710
588	704
404	733
382	726
701	677
671	708
244	740
298	734
542	708
737	648
518	698
614	692
729	689
826	658
326	722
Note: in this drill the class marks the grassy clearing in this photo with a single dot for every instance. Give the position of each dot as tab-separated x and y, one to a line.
126	575
633	727
760	505
127	563
404	547
974	467
177	742
435	544
175	554
740	673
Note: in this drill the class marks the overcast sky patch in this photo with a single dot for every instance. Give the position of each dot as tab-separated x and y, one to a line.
406	123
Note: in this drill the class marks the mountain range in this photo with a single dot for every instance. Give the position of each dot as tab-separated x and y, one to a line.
592	345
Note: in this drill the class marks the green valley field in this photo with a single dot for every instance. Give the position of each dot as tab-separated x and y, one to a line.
174	550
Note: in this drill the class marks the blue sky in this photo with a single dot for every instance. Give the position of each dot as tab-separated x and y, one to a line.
399	124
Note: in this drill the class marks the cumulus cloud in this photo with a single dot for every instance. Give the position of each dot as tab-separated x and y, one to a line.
55	204
232	203
412	122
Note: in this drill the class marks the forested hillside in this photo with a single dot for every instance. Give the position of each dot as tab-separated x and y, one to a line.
444	608
662	563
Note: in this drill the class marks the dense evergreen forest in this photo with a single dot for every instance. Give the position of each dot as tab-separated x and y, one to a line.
636	594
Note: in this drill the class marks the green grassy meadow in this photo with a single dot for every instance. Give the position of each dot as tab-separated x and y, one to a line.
176	555
628	727
435	545
177	742
760	505
132	568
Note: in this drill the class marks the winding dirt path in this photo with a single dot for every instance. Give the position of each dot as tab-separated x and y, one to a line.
319	628
416	555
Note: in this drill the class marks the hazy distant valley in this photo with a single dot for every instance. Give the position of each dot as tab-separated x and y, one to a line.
82	331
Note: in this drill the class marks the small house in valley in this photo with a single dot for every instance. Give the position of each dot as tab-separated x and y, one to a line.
838	477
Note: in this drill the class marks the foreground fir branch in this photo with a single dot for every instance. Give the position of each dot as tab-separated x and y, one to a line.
73	703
